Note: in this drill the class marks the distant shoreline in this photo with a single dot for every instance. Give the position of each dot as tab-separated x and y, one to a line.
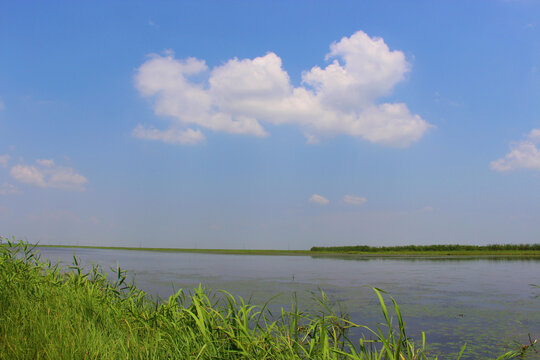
370	254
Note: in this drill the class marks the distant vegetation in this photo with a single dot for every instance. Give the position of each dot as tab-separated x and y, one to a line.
518	250
427	248
49	312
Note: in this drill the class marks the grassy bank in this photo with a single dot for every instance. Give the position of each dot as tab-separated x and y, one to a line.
49	313
365	251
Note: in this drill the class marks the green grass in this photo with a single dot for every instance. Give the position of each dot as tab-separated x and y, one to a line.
49	312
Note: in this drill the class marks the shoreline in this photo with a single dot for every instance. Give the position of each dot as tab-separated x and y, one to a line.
532	254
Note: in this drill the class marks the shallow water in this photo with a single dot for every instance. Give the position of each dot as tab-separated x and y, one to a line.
487	303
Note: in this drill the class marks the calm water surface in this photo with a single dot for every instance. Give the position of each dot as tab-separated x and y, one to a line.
487	303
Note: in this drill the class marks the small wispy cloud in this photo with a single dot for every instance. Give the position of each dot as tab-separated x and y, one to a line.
4	160
45	162
8	189
319	199
354	200
523	155
170	136
46	174
439	99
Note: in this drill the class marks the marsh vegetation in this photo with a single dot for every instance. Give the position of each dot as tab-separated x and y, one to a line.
448	249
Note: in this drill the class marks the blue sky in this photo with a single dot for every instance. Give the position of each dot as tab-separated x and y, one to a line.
270	124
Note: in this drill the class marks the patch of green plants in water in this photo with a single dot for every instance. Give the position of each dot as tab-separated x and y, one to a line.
429	248
50	312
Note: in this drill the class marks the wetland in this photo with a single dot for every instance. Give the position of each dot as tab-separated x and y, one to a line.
491	304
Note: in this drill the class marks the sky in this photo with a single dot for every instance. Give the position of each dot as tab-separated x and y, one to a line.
270	124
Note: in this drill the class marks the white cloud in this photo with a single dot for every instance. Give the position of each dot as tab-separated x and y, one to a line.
45	162
4	159
354	200
2	106
171	136
319	199
7	189
534	135
523	155
28	174
242	94
48	175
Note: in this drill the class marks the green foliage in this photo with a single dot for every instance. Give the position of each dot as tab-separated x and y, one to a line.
423	248
49	312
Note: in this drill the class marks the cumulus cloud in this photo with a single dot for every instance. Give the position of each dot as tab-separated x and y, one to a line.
354	200
4	160
241	95
319	199
523	155
46	174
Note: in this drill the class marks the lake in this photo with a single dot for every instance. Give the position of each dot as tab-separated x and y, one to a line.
487	303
